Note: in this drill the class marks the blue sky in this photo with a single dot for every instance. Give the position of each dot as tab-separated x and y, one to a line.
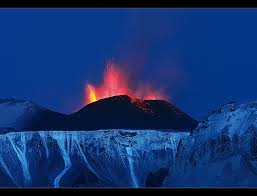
203	57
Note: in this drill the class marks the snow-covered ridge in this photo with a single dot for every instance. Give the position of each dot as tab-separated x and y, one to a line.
230	119
221	151
12	111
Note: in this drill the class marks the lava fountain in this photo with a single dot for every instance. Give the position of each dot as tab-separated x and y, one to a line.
116	82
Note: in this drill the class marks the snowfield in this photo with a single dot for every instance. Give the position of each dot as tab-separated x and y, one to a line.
13	111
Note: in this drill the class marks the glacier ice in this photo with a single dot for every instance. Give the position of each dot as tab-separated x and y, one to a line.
65	154
21	156
131	166
120	158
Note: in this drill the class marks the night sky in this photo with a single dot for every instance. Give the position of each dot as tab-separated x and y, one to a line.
202	57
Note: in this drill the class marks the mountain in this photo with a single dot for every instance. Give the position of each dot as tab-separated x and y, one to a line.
110	113
14	112
131	113
21	115
220	152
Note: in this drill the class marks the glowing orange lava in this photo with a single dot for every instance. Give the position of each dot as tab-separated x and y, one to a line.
116	82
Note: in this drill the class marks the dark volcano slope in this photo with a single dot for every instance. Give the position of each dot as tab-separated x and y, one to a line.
45	120
117	112
129	113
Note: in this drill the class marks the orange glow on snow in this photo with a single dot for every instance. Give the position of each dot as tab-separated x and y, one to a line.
116	82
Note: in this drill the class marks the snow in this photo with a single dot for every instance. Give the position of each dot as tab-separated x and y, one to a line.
127	151
21	154
131	167
12	110
232	119
67	163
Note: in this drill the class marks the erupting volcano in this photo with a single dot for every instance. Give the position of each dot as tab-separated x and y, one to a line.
116	82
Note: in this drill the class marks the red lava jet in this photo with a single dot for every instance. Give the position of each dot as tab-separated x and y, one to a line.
116	82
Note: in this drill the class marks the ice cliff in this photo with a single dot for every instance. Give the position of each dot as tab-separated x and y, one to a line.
113	158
